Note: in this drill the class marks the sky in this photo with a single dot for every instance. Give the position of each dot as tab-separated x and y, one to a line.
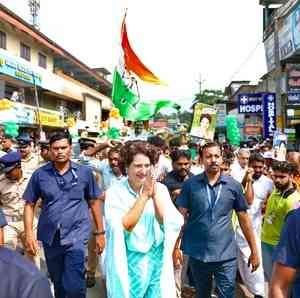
178	40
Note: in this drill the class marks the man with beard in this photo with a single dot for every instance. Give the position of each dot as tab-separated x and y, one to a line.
207	202
181	162
283	199
258	188
67	190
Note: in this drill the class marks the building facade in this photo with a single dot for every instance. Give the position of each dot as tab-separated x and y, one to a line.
41	84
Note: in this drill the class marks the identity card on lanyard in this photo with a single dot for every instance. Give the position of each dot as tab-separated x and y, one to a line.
211	204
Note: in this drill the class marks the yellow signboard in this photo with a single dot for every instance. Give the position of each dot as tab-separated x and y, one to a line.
50	119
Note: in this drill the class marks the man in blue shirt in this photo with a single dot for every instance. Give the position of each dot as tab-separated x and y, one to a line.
207	202
20	278
67	191
287	258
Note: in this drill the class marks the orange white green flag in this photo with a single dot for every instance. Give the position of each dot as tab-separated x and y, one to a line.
125	92
132	62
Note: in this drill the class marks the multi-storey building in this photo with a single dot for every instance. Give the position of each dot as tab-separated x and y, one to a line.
37	72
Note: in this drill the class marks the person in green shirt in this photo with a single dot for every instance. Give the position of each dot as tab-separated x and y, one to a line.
283	199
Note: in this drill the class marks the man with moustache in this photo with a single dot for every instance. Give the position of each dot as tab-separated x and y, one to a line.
7	143
181	162
258	188
207	202
239	167
67	190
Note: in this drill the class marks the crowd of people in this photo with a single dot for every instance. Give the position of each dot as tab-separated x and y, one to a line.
148	218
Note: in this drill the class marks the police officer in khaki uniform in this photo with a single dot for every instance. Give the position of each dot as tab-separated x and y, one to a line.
30	161
12	187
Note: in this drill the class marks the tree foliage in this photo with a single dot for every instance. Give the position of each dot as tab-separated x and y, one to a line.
186	117
209	96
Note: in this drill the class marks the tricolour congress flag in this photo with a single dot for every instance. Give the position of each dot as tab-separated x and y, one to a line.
133	62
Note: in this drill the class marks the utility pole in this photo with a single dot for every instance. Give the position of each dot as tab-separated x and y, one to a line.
200	83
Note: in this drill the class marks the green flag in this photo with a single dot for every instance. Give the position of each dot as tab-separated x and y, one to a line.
160	104
147	110
123	98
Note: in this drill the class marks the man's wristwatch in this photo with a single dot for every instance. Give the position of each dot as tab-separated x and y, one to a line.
98	233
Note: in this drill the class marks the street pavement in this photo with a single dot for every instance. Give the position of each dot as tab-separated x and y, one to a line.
96	292
241	292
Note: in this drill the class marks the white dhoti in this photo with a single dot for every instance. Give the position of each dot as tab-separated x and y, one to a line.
254	281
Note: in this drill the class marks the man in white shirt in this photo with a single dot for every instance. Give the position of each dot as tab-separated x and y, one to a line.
257	188
239	167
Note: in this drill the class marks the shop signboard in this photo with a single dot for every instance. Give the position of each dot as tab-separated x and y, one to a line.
270	52
296	27
18	113
20	70
49	118
252	130
250	103
293	77
221	114
293	98
291	134
269	114
285	38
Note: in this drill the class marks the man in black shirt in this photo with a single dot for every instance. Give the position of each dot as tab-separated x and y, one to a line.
181	162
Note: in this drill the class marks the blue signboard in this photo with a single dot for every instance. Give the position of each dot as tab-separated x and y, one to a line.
18	70
250	103
269	114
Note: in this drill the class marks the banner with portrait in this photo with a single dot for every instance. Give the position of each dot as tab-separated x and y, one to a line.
204	121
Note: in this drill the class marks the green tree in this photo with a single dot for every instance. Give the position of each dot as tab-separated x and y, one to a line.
209	96
186	117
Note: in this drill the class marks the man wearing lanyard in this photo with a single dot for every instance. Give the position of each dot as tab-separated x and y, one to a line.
207	202
67	190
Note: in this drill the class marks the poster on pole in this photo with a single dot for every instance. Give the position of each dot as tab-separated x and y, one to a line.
204	121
